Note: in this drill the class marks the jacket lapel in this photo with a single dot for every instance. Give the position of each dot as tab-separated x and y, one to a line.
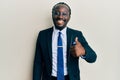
49	42
69	42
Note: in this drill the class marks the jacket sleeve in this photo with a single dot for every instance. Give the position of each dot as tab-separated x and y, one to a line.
90	55
38	61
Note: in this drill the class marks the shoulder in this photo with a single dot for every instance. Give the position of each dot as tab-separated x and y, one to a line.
44	33
46	30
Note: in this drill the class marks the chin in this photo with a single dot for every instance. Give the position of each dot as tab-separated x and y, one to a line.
59	27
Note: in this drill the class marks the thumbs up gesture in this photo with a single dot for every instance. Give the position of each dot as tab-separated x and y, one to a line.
77	50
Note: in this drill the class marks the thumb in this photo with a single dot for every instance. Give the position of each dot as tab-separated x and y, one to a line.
76	40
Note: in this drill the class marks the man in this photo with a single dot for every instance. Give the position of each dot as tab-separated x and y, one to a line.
59	48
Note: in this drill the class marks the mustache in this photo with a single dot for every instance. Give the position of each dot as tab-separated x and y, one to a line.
60	19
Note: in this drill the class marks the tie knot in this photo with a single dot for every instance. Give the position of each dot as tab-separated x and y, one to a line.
60	33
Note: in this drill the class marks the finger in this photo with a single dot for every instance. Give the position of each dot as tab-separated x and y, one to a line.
76	39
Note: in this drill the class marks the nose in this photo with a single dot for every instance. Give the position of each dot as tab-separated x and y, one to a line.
60	16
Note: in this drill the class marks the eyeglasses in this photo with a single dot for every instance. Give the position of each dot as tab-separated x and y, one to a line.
60	14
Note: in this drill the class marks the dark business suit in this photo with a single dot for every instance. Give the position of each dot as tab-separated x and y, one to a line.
43	56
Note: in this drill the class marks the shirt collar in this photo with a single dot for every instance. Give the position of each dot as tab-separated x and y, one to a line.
56	31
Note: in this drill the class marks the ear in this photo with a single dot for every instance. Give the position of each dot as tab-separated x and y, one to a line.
69	17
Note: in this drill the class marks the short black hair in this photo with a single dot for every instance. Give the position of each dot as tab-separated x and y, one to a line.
61	3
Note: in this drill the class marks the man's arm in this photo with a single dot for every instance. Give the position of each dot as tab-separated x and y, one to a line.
38	62
90	55
82	49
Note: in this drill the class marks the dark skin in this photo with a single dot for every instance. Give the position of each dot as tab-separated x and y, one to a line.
61	17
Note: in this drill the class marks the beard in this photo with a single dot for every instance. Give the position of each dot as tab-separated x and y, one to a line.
60	27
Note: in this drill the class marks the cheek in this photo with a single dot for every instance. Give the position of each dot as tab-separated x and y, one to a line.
53	16
67	19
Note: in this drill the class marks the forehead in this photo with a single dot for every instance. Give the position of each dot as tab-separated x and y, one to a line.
61	7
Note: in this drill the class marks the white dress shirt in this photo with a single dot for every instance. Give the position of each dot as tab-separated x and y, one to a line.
54	50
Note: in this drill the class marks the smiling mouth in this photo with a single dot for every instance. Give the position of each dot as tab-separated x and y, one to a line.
60	22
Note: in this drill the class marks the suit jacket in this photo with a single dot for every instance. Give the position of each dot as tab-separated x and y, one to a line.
43	56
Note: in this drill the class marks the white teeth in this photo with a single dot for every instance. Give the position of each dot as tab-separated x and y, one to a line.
60	21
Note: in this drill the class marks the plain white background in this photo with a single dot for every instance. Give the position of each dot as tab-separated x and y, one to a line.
21	20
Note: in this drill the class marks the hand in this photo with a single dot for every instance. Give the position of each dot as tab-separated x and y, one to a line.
77	50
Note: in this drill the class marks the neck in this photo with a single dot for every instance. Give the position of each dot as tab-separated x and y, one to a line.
59	28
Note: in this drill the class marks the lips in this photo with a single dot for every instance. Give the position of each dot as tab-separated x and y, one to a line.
60	22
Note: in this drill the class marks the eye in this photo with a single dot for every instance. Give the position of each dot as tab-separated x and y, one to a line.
56	13
64	14
60	13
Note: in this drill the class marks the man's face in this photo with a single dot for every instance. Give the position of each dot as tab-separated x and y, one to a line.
61	16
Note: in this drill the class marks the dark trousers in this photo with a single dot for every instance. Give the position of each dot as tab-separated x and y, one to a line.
55	78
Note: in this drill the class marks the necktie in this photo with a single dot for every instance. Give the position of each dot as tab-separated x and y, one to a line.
60	65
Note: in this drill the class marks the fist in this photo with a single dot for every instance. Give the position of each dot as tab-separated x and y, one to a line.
77	50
